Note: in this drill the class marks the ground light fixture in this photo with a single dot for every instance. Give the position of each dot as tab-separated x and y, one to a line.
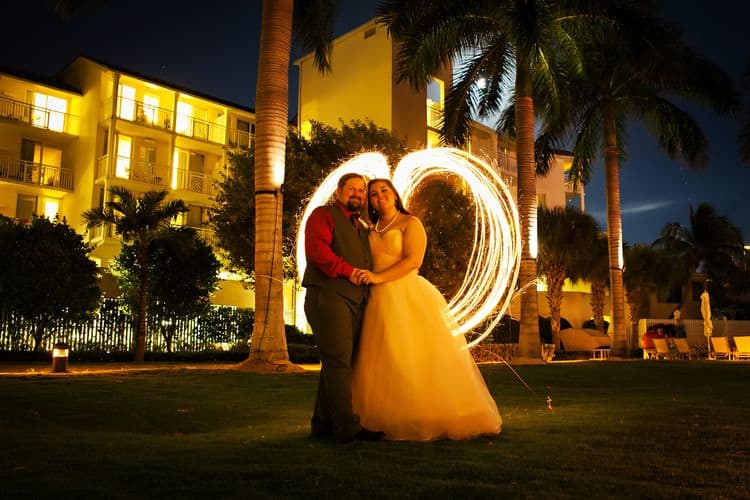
60	358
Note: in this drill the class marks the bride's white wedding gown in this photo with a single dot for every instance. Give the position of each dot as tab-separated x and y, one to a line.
413	379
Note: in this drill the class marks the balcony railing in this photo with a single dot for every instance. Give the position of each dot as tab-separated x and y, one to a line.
36	116
195	182
140	112
101	232
36	173
200	129
434	116
240	138
135	170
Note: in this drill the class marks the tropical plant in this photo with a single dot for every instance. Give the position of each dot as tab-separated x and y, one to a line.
562	233
529	37
268	350
712	246
138	220
635	71
46	276
744	137
183	274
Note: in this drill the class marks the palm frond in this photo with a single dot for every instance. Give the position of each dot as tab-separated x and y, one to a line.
313	26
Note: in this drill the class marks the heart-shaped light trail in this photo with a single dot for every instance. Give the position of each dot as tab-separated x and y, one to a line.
491	275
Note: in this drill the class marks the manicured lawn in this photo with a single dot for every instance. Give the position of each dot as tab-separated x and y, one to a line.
637	429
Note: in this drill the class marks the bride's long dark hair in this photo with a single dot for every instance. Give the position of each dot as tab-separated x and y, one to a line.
372	214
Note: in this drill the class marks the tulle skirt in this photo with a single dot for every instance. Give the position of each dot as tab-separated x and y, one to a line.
413	379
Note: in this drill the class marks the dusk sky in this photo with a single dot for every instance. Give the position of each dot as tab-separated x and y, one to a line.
214	50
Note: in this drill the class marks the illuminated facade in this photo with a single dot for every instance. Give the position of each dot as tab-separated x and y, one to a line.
63	144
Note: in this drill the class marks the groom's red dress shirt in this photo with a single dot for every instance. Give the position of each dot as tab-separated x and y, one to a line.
318	240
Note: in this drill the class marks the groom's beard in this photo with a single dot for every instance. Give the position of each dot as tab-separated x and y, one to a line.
354	204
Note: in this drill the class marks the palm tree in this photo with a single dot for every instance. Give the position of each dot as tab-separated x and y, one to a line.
138	220
525	36
745	130
562	233
712	246
636	73
268	349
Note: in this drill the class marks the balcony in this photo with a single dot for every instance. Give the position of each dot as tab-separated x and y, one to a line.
195	182
141	113
240	138
35	116
200	129
37	174
434	116
127	168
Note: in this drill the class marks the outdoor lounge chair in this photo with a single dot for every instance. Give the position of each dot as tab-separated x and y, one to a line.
662	349
743	347
683	349
720	348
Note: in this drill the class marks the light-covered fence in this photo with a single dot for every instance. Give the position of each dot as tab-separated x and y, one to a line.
112	330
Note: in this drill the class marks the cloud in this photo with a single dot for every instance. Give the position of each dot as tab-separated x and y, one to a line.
638	208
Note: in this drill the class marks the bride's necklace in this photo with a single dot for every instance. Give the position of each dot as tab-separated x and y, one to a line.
384	229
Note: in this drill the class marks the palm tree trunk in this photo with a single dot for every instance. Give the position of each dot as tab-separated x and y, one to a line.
597	303
140	331
555	279
268	349
614	232
529	345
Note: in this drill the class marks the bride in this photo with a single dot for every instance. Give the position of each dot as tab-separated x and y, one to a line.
413	377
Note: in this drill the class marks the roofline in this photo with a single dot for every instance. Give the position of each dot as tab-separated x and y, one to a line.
164	83
38	79
339	38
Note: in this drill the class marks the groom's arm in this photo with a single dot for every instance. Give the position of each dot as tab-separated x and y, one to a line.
318	240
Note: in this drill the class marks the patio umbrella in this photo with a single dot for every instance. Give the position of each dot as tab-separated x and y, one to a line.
708	326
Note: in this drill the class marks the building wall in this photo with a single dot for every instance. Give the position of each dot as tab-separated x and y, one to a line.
357	87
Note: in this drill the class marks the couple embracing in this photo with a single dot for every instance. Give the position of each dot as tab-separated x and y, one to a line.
392	365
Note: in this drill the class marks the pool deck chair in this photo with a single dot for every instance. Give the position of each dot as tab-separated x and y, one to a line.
720	348
683	349
743	347
662	349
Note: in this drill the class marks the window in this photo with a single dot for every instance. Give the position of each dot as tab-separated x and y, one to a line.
40	162
124	150
150	108
243	133
196	216
25	207
573	200
49	112
184	118
126	102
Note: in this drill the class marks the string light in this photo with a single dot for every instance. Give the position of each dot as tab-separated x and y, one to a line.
487	287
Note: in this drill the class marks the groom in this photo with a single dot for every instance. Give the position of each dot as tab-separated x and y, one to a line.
336	248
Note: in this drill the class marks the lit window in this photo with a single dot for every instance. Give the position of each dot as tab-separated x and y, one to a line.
51	208
49	112
184	118
150	108
126	102
124	150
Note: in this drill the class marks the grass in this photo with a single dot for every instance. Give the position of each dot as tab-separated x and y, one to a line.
640	429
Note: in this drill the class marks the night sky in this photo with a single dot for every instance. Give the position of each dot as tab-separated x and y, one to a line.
215	51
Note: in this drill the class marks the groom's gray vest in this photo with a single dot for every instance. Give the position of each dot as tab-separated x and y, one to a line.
353	247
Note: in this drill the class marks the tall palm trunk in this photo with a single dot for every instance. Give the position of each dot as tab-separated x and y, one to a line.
614	231
140	331
529	345
597	303
268	349
556	279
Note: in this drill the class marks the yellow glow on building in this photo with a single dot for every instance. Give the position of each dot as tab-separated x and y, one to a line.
306	129
175	167
151	108
184	118
49	112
